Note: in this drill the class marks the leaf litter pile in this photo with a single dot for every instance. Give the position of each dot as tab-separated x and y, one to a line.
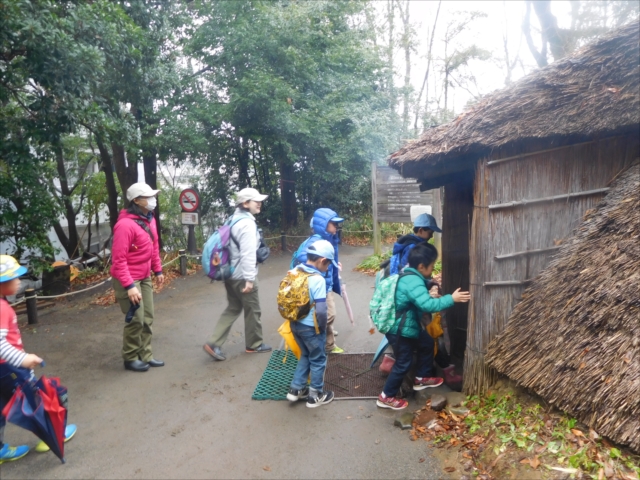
501	438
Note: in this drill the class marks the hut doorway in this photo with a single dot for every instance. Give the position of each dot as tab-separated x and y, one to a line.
456	221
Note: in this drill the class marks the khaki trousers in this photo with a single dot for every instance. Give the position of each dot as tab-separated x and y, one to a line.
136	338
331	316
238	301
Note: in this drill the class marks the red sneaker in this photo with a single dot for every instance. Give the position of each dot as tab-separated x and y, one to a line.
391	402
427	382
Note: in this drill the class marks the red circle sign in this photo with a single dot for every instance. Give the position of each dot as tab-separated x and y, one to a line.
189	200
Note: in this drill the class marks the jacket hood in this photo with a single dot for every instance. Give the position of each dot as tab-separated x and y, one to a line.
320	220
404	241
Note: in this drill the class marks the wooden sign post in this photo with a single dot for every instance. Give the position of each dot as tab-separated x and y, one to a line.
392	199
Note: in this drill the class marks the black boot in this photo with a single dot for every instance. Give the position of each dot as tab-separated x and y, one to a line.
136	366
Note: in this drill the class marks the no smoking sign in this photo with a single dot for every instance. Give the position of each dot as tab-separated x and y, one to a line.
189	200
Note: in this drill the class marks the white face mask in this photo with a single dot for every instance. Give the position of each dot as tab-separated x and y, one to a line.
152	203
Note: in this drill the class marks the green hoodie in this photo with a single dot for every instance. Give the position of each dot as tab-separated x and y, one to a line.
412	295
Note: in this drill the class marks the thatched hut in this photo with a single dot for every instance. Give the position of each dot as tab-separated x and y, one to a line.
575	337
519	171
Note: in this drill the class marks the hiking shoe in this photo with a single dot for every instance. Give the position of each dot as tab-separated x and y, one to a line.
336	349
69	432
321	399
335	333
295	395
427	382
214	351
9	454
263	348
393	403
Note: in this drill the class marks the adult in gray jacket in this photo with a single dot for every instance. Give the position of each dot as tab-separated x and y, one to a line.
242	287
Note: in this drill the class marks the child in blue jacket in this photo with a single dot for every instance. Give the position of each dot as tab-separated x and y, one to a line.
325	224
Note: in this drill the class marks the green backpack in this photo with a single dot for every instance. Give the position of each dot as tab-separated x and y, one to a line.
382	306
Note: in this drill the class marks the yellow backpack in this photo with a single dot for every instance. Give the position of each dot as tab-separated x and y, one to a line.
293	298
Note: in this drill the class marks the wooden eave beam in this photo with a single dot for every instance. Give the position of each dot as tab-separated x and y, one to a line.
566	196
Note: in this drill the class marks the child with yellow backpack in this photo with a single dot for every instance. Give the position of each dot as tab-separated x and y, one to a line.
302	300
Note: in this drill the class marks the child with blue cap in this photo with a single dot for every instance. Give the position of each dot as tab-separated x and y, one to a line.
423	228
310	332
16	366
325	224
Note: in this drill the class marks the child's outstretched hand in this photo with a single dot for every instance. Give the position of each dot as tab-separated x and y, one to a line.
461	297
31	361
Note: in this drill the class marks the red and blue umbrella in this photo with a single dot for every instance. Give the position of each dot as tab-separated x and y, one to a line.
39	408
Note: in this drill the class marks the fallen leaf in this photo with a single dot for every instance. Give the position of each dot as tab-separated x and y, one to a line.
534	462
372	330
377	441
582	365
540	449
349	417
593	435
421	460
601	474
449	469
266	468
577	433
524	461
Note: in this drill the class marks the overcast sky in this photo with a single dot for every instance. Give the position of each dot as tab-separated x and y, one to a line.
487	33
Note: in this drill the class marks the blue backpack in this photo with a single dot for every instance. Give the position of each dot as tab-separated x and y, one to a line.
215	253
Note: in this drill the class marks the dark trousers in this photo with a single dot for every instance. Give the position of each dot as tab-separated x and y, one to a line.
403	352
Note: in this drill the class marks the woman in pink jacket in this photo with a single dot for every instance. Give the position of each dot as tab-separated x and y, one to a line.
135	253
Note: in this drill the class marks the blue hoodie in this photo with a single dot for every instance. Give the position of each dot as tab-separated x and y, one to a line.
319	222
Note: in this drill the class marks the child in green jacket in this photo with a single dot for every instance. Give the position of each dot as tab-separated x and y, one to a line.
407	334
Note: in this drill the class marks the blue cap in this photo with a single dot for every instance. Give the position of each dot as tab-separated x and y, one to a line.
324	249
337	220
424	220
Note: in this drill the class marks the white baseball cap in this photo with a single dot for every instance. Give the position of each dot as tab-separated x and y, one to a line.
140	189
247	194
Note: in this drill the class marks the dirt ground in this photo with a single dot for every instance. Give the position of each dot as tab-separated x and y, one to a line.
194	418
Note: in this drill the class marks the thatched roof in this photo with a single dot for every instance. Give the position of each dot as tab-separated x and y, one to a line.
594	92
575	337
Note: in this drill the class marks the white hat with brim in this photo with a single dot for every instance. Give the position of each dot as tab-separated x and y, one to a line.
324	249
247	194
140	189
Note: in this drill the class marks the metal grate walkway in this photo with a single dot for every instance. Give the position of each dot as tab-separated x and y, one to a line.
347	374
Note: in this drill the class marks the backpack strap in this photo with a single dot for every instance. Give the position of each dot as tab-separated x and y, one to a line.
231	222
145	227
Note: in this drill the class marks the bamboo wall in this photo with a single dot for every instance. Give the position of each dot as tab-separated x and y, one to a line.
570	169
456	224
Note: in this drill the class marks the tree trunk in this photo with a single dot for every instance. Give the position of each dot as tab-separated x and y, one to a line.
71	242
425	84
288	191
112	191
406	45
150	162
127	172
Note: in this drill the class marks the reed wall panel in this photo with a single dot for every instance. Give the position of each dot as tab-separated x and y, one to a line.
456	224
498	232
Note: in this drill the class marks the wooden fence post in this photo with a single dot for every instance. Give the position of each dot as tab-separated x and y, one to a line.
377	237
32	306
183	262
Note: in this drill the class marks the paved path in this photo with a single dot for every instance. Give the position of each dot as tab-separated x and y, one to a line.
194	418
